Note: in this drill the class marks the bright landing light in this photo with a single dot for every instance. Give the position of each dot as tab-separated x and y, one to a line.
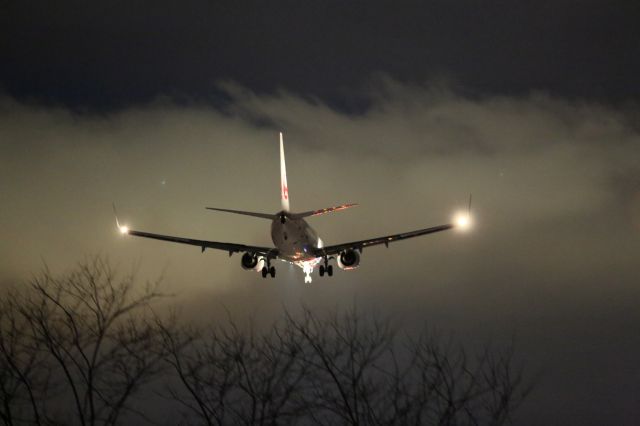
462	221
124	229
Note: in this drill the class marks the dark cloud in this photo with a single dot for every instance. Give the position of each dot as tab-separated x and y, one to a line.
107	55
552	260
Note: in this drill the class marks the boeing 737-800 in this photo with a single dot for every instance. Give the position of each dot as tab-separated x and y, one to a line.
294	240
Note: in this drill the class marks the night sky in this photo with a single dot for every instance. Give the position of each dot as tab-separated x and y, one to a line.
402	107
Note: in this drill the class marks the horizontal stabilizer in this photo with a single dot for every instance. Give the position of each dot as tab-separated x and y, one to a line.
262	215
323	211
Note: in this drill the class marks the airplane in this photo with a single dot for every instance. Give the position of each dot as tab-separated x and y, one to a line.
295	241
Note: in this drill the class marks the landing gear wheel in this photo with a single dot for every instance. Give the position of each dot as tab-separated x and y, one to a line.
272	272
321	271
330	270
265	271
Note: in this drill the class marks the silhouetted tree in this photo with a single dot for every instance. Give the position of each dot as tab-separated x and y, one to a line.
344	369
92	335
77	349
232	376
24	374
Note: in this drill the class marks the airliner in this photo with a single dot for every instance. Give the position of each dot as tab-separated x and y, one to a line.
294	240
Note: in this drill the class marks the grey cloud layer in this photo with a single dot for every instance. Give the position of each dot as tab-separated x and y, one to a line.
553	257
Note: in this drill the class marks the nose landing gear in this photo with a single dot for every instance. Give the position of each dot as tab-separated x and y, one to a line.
307	268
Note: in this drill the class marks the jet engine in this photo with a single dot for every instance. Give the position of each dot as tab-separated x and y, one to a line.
349	259
252	261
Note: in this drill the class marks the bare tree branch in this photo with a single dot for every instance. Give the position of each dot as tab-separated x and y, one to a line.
95	336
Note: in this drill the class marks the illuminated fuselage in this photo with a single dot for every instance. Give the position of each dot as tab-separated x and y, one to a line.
295	240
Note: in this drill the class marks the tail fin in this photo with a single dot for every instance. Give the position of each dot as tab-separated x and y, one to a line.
284	189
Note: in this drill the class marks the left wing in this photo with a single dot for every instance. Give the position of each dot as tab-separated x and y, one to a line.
204	244
359	245
269	252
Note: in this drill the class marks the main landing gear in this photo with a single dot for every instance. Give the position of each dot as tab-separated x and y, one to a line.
268	270
326	268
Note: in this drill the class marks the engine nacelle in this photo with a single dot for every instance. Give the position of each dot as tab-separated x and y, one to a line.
252	261
348	259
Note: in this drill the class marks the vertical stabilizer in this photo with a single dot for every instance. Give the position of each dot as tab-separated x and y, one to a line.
284	189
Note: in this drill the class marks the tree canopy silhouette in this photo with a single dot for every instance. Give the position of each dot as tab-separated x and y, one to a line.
80	347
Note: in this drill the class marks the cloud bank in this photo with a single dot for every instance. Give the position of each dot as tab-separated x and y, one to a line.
552	259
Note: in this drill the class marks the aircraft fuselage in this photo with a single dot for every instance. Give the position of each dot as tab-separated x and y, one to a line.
294	239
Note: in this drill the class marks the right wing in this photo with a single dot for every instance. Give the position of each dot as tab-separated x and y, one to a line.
461	221
359	245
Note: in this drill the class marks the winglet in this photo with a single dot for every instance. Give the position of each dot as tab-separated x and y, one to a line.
115	213
284	189
463	220
121	228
